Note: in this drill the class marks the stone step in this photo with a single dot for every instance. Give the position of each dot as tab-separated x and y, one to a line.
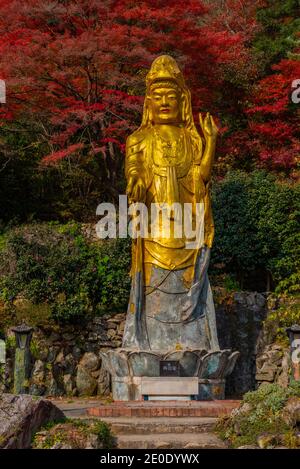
151	425
164	409
170	440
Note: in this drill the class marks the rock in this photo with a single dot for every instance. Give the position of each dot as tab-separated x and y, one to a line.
60	358
251	298
247	447
68	336
85	383
98	321
90	347
116	344
116	318
93	337
93	442
61	446
76	353
38	372
37	382
164	445
260	300
240	297
267	440
284	376
90	361
21	416
111	324
111	333
266	373
54	337
103	385
51	385
70	364
68	384
53	352
275	357
291	411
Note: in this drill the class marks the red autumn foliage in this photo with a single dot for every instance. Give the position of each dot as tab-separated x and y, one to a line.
75	73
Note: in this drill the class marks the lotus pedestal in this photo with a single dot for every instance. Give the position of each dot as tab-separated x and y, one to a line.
135	374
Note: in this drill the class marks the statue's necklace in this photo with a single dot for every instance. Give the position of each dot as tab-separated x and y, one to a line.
170	148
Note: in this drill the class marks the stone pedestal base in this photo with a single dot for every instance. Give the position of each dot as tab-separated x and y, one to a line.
136	374
138	388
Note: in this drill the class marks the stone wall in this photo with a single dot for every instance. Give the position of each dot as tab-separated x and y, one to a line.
240	325
66	361
273	365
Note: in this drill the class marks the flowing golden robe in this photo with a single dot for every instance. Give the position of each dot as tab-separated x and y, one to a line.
171	173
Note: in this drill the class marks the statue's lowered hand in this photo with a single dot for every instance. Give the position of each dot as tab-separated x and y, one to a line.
136	190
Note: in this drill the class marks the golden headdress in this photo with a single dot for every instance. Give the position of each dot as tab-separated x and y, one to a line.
164	72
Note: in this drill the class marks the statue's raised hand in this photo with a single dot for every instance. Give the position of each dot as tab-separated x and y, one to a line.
136	190
208	126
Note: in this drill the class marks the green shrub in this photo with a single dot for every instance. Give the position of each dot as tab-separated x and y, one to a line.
73	433
263	415
52	270
257	231
285	315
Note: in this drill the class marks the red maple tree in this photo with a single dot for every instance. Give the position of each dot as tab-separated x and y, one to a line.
75	69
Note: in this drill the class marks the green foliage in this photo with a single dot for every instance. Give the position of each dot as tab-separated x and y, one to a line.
52	271
10	343
280	21
2	241
257	230
34	349
271	397
113	267
260	413
73	433
278	319
102	430
49	271
70	191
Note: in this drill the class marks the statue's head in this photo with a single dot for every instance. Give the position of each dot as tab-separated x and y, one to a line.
167	97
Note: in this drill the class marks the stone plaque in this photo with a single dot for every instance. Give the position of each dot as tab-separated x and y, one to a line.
169	368
2	351
169	386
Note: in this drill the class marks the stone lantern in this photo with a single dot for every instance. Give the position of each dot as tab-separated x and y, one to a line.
23	335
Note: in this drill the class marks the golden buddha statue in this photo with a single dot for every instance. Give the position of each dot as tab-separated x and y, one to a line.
167	162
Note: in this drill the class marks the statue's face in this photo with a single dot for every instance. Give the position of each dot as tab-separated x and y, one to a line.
165	106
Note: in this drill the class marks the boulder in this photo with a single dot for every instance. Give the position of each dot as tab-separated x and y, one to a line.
21	416
103	388
89	361
85	383
266	373
68	384
267	440
37	381
291	411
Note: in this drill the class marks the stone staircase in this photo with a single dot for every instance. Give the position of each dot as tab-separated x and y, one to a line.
163	425
164	432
